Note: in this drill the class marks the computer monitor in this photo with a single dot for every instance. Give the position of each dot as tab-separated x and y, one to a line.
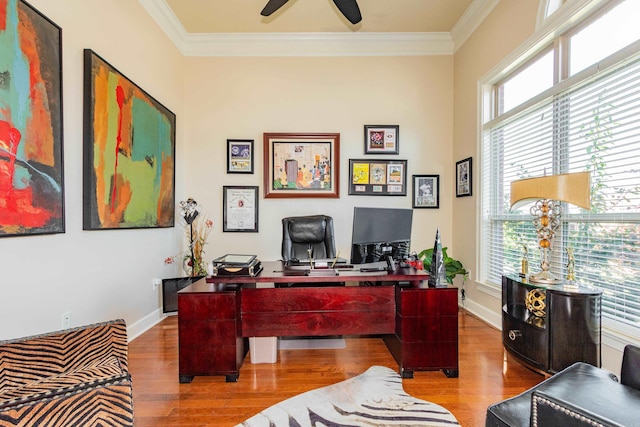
378	232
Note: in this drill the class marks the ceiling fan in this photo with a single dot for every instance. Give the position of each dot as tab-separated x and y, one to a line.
349	8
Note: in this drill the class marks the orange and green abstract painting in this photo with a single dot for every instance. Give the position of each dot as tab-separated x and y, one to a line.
129	160
31	172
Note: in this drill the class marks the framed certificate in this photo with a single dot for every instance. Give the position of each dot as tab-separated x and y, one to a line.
240	204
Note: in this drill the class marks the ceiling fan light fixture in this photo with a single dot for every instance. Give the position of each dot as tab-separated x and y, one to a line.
272	6
348	8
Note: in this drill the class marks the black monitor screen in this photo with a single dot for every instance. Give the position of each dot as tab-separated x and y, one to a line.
378	232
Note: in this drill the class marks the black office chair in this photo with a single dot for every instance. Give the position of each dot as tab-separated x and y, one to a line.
301	233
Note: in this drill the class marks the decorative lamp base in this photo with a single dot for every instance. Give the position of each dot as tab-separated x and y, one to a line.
544	277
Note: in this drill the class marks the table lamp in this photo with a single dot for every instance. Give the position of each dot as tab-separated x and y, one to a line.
574	188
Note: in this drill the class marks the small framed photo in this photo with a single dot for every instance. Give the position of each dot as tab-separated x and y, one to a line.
426	191
239	155
240	204
381	139
464	175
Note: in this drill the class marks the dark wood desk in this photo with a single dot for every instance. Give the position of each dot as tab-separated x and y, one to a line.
216	315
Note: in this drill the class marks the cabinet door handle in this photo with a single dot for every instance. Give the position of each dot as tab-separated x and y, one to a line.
514	333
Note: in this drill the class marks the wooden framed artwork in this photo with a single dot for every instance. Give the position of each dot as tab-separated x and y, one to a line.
129	152
239	155
301	165
426	191
31	135
464	176
240	204
382	177
381	139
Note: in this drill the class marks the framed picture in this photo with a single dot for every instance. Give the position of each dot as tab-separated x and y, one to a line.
240	204
301	165
381	139
377	177
31	157
464	175
426	191
239	155
128	177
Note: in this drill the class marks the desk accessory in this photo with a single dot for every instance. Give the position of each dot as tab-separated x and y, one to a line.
236	265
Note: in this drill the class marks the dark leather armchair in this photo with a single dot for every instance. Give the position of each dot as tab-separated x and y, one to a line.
301	233
580	395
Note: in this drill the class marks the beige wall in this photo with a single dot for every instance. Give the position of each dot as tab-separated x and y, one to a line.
95	275
507	27
244	97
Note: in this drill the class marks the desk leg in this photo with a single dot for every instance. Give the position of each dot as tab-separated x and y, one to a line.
231	378
406	373
185	379
451	373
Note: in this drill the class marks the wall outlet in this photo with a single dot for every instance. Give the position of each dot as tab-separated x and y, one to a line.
156	284
66	320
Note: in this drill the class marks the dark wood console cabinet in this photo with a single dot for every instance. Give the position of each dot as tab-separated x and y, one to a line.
569	332
215	316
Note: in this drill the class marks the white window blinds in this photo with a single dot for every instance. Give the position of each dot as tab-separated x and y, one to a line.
590	123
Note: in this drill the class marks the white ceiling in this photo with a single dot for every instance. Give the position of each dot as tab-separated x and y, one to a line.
317	28
243	16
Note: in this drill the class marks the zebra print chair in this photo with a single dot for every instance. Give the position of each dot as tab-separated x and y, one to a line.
76	377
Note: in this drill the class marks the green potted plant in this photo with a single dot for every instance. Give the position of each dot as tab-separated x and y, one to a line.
453	267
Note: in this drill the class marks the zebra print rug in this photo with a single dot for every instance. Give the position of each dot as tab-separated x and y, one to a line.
373	398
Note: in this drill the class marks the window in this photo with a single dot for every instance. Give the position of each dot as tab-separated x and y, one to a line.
588	121
530	80
617	28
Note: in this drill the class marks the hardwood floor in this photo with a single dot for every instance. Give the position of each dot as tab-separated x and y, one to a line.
160	400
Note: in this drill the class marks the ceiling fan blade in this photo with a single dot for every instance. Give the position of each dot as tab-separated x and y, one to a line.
272	6
350	10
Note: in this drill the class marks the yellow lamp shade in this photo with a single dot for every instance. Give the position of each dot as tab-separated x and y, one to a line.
574	188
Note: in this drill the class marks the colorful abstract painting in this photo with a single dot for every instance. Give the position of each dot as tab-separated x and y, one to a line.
31	160
129	153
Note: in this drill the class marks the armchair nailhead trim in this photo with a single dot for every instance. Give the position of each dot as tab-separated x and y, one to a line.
542	401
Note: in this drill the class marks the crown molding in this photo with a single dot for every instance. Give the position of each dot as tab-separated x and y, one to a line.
317	44
470	20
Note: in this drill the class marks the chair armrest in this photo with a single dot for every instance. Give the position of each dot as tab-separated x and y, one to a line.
630	373
602	405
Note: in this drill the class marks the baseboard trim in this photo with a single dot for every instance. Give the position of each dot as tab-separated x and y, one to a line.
141	326
484	314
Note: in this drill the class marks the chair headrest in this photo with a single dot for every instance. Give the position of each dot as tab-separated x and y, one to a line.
307	230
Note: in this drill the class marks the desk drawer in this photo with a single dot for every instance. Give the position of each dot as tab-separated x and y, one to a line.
427	328
326	298
317	323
